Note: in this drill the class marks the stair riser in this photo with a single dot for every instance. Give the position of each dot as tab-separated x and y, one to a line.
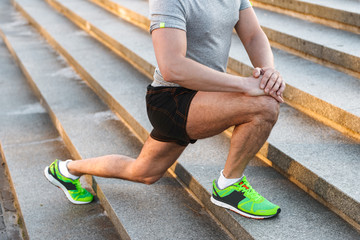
327	16
314	52
126	14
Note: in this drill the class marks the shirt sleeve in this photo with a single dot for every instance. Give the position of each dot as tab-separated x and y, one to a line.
244	4
167	14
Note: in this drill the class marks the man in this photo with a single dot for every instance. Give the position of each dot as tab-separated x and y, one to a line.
192	98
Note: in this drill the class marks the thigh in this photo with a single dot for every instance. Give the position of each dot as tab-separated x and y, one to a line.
156	157
211	113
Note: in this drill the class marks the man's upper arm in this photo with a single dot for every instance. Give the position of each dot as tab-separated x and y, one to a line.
168	29
248	25
170	49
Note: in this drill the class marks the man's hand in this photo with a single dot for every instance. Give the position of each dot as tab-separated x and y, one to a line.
271	82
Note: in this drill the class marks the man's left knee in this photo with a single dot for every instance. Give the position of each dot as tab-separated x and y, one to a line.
150	180
142	175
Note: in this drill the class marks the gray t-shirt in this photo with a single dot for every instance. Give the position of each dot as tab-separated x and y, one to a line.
208	25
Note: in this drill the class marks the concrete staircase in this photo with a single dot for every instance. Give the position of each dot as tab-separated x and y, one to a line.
86	63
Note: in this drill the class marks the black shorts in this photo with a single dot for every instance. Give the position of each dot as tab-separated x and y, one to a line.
167	109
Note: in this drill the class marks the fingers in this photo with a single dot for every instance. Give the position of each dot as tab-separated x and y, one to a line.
269	79
265	79
257	72
282	89
254	90
278	98
271	82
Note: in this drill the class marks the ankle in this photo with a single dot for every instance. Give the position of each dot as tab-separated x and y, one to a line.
231	174
66	171
224	182
71	168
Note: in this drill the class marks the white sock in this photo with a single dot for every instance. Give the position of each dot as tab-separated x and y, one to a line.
65	171
224	182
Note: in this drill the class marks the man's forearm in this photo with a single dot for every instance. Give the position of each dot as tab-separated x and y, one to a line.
193	75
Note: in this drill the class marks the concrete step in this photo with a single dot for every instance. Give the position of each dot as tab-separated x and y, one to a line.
202	162
161	211
307	40
28	143
343	15
305	89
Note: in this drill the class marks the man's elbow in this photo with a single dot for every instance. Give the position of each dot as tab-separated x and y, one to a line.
169	76
171	73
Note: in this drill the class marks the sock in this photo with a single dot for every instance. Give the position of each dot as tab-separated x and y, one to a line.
65	171
224	182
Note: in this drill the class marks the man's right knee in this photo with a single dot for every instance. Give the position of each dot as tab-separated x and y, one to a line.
268	109
259	110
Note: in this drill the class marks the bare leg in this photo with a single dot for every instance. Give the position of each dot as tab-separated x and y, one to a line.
246	141
253	117
155	158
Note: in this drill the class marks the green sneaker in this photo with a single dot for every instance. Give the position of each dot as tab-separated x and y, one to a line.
72	188
244	200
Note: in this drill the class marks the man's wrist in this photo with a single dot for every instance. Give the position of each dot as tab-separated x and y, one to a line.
250	86
242	85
